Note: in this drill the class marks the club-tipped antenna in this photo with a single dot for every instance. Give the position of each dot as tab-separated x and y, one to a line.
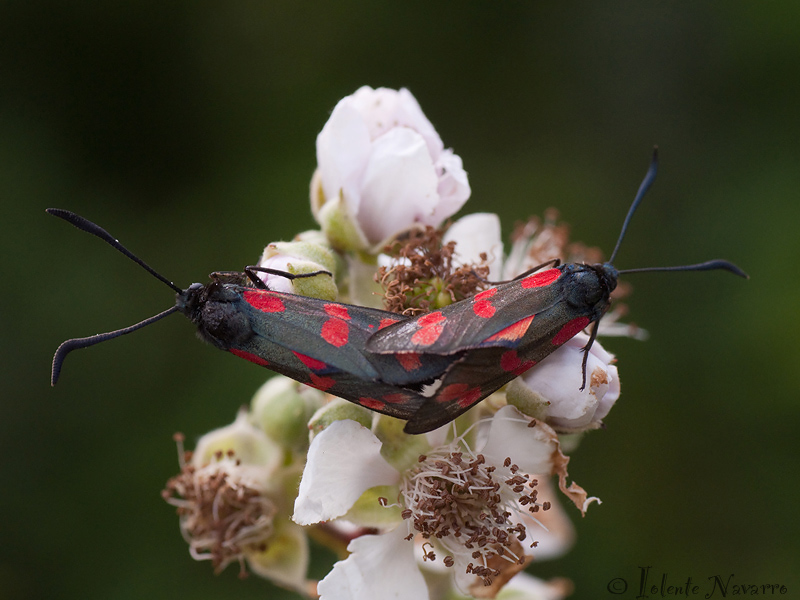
77	343
649	177
89	227
711	265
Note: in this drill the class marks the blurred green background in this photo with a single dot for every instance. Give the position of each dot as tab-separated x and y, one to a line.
187	129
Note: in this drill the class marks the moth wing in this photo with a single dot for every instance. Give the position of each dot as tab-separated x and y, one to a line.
499	317
484	370
331	337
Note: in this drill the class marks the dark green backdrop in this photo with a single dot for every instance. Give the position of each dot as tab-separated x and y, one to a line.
187	129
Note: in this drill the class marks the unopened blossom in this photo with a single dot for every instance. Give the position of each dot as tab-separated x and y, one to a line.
474	510
282	408
299	267
551	390
382	169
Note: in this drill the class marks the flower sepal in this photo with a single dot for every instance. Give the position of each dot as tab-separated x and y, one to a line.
376	508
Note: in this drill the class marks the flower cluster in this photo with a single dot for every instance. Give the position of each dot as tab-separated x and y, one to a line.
458	512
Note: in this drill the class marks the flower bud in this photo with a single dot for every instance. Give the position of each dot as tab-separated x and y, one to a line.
300	258
382	169
282	407
551	390
338	410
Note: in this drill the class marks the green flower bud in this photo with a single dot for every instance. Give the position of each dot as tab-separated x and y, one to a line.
300	258
338	410
282	407
400	450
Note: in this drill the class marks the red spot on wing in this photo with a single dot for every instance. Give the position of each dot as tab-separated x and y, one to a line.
542	279
512	333
321	383
569	330
264	301
481	305
371	403
386	323
512	363
311	363
394	398
431	327
337	310
483	308
410	361
253	358
485	294
461	393
335	332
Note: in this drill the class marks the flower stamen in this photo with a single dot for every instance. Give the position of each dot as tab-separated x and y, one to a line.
465	505
223	510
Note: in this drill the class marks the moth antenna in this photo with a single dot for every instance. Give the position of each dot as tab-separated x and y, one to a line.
257	282
649	177
89	227
711	265
77	343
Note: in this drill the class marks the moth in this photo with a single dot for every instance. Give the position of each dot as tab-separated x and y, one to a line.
500	333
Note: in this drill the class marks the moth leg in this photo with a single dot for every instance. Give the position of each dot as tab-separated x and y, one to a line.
555	262
257	282
585	350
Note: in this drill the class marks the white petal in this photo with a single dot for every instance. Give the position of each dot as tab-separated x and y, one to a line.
343	149
381	567
530	448
344	460
399	185
552	528
383	108
476	233
453	187
527	587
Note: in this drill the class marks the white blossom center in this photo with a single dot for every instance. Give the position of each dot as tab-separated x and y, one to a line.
464	504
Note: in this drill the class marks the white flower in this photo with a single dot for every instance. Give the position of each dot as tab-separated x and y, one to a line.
382	168
474	510
551	389
230	502
527	587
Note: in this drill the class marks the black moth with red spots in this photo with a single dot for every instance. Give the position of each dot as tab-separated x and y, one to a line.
382	360
502	332
313	341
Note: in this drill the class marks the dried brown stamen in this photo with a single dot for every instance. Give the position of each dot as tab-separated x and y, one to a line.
223	511
424	276
465	505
